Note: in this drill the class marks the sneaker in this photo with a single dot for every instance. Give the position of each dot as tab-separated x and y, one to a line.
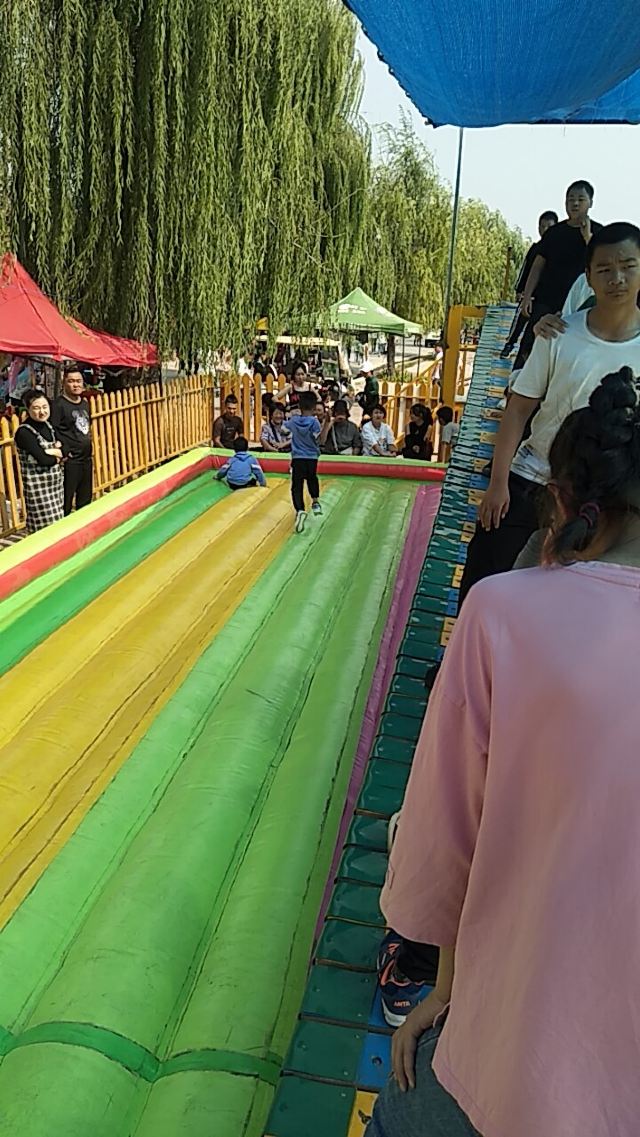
506	351
301	519
387	951
399	995
317	508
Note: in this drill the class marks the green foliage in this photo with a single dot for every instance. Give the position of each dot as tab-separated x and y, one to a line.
173	169
409	228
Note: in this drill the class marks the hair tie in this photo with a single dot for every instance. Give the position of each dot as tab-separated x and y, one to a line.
590	512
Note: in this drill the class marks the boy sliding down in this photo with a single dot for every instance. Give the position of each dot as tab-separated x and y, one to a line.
307	436
243	470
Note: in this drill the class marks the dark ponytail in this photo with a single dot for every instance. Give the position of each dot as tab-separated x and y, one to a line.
595	466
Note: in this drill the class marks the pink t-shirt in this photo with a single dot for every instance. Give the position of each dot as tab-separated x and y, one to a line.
519	841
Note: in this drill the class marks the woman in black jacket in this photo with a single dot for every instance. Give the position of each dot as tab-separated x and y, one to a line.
40	457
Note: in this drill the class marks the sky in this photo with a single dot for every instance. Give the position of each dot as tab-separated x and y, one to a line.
520	170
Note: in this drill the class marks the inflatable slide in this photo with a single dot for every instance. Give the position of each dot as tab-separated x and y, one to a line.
187	689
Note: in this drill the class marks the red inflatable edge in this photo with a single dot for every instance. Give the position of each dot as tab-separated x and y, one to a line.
369	468
20	575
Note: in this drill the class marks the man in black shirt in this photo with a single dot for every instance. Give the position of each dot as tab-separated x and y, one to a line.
71	420
228	426
559	262
545	221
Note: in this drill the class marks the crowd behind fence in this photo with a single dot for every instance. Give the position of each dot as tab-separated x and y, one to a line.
138	429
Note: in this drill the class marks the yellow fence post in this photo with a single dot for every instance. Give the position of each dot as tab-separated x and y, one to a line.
450	362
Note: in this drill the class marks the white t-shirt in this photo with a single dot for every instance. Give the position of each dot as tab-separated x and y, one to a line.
381	436
450	433
579	293
563	372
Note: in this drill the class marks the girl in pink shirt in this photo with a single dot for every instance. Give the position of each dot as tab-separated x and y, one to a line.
518	849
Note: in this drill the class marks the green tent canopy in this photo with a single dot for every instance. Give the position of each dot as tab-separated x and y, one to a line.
357	312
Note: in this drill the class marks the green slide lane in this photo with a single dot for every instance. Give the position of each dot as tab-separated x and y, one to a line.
186	900
64	601
13	606
30	948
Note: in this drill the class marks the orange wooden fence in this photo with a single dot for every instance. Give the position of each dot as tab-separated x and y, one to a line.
137	429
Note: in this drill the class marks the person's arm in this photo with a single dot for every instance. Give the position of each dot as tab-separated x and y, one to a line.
391	442
495	503
58	424
357	440
433	852
549	327
217	432
529	388
259	474
422	1017
265	441
444	451
27	441
223	471
525	270
326	427
533	280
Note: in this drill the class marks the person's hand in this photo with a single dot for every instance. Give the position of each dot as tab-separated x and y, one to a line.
527	305
549	327
494	506
406	1039
586	230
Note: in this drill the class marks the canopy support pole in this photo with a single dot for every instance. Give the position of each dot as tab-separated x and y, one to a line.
450	351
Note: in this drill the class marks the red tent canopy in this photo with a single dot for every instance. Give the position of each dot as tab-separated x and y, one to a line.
30	324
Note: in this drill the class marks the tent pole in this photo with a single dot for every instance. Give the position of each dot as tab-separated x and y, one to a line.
454	225
451	362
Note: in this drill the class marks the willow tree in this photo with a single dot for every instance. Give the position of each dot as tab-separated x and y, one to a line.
409	225
482	254
175	167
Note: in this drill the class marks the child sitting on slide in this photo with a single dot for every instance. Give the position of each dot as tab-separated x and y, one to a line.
243	470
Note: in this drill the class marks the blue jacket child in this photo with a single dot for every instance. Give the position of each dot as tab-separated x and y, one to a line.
243	470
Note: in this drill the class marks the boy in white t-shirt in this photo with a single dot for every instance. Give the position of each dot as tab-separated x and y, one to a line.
557	379
377	437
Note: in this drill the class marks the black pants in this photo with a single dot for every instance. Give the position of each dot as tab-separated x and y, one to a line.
78	483
304	470
245	486
418	962
526	343
517	328
497	550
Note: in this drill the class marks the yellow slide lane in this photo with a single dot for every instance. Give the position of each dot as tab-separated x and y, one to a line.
76	706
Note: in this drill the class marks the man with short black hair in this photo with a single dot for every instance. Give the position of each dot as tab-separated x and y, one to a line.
228	425
71	420
559	262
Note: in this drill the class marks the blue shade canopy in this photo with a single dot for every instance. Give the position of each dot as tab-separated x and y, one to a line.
507	61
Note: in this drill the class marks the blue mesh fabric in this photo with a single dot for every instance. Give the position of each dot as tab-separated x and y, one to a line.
498	61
